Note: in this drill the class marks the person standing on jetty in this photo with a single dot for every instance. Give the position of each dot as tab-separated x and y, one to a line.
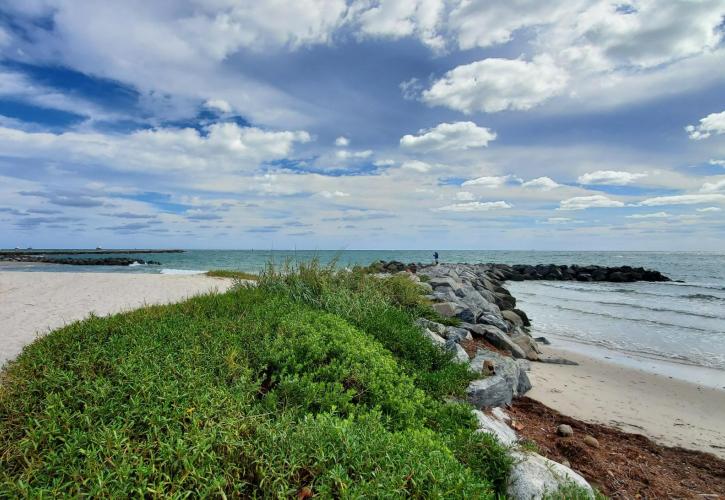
435	257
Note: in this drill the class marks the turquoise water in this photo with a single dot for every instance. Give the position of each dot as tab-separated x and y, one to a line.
679	322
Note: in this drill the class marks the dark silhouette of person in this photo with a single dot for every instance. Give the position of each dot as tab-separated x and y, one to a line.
435	257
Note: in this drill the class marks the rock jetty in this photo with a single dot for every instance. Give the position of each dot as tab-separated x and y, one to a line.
551	272
73	261
493	338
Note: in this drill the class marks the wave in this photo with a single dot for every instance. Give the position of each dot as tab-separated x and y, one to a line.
612	316
181	271
634	291
638	306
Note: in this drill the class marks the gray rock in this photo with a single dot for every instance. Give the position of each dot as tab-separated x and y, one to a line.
431	325
543	340
425	287
516	379
459	353
444	282
591	441
492	319
488	392
512	317
533	477
498	338
492	424
557	361
457	334
527	345
447	309
565	430
434	337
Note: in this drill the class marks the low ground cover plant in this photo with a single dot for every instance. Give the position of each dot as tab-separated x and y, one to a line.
315	382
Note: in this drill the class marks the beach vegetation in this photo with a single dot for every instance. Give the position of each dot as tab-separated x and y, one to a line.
314	382
237	275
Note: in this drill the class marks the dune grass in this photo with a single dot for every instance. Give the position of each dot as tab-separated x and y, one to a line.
315	381
225	273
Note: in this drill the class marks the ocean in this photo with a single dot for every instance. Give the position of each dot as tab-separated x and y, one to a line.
682	323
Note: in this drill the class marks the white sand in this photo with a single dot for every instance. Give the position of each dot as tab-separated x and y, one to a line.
33	303
671	411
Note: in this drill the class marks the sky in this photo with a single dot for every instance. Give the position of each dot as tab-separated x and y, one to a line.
360	124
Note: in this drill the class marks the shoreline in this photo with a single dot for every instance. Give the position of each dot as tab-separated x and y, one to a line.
619	394
34	303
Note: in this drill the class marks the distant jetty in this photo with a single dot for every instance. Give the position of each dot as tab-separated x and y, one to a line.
56	256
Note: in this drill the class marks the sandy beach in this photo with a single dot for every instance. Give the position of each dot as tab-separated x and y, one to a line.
669	410
34	303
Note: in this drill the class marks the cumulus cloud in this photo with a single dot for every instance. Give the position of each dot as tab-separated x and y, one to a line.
342	142
333	194
584	202
449	137
488	181
712	124
541	183
495	84
416	165
475	206
218	105
225	147
465	196
683	199
714	187
610	177
656	215
606	35
344	154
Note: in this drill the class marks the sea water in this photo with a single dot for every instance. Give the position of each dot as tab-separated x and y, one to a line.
682	323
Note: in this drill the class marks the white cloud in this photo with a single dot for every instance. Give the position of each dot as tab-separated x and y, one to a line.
656	215
494	84
333	194
219	105
465	196
416	165
712	124
226	147
713	187
449	137
474	206
558	220
488	181
344	154
709	209
402	18
342	142
683	199
718	162
610	177
384	163
584	202
541	183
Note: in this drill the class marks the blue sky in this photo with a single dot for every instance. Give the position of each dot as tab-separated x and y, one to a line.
363	124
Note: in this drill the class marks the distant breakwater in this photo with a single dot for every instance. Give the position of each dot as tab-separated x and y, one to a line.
107	261
551	272
55	257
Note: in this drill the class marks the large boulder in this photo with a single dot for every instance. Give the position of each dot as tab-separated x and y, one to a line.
459	353
492	424
444	282
511	370
431	325
488	392
434	338
447	309
533	477
492	319
457	334
512	318
497	338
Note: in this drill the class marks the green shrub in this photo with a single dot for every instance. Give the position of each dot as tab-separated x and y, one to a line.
237	275
313	381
